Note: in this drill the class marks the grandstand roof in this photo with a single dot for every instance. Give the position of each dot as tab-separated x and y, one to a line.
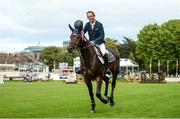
34	49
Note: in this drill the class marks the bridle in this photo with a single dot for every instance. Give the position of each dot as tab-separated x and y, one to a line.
81	45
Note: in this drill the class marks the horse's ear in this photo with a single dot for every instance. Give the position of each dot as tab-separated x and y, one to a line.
71	28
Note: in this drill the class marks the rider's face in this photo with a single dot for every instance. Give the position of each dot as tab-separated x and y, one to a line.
91	17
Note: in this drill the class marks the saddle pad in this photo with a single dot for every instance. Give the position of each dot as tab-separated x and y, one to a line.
111	57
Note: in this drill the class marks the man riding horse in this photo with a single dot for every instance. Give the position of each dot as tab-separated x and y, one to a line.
96	36
92	67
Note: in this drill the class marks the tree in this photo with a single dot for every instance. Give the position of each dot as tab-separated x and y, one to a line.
53	54
111	43
150	44
159	42
173	28
68	57
129	45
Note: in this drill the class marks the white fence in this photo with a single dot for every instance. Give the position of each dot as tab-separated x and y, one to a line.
172	79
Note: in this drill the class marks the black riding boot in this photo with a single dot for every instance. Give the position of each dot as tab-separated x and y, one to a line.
107	71
105	57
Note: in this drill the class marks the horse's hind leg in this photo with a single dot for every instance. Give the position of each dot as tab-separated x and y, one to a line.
90	89
98	91
106	80
112	90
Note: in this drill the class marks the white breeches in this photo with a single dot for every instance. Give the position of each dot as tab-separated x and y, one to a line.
102	48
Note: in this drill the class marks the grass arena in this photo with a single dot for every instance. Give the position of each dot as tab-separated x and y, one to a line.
56	99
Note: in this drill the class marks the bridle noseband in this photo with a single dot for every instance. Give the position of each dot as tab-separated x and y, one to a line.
81	44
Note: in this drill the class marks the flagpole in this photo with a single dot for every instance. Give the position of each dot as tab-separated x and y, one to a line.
159	66
176	68
150	66
168	68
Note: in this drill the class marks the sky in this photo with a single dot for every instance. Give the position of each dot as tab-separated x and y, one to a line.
26	23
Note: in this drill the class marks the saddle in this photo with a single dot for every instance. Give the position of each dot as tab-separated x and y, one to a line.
111	57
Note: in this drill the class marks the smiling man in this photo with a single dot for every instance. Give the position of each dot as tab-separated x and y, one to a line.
96	34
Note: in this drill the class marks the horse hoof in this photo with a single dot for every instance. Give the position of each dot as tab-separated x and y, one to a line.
112	103
92	111
105	101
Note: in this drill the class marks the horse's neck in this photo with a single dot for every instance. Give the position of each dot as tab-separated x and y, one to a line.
88	55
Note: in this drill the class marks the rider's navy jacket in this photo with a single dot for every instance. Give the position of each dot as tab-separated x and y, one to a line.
96	34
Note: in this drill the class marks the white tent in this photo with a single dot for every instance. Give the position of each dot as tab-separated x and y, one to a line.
1	80
128	66
127	63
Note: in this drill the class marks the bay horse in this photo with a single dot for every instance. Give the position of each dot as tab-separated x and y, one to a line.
92	67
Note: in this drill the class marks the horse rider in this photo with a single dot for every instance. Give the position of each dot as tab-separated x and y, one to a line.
96	36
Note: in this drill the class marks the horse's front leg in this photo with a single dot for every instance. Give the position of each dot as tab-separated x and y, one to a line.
90	89
98	91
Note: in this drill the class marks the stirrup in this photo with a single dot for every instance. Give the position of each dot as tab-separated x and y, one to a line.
79	71
107	73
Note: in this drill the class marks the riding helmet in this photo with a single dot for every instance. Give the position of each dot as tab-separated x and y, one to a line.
78	24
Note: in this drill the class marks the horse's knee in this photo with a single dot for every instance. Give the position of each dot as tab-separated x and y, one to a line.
98	95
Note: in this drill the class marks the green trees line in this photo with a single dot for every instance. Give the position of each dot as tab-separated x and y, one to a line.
159	42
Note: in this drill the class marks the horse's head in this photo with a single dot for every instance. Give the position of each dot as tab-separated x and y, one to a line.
76	36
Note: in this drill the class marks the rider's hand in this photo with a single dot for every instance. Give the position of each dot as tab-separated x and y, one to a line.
92	43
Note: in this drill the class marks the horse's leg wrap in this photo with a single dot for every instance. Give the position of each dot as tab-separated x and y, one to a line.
104	100
89	85
98	91
111	101
98	95
106	80
93	106
112	91
106	90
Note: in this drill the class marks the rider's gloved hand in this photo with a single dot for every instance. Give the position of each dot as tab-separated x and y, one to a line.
92	43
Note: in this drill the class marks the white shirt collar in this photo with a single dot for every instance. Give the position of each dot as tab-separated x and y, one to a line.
93	24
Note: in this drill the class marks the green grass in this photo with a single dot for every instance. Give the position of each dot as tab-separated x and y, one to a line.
56	99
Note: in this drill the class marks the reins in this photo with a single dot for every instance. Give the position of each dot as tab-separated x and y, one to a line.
84	44
84	39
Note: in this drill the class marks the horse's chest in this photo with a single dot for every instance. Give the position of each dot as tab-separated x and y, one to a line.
87	72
